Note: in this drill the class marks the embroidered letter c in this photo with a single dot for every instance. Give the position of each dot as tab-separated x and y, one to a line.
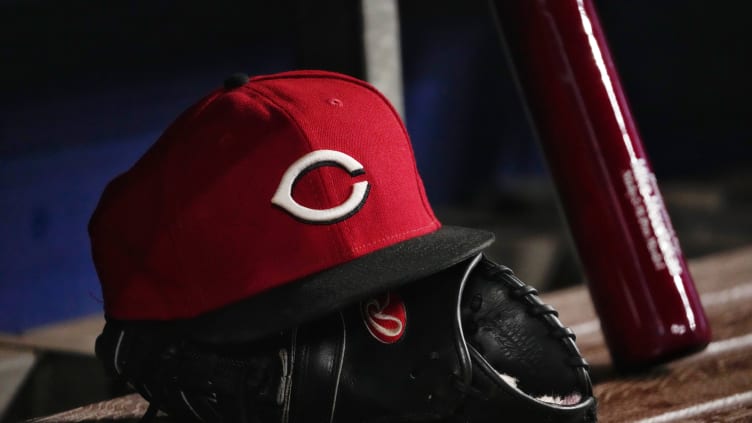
283	196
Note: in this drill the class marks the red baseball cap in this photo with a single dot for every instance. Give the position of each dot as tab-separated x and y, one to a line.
272	201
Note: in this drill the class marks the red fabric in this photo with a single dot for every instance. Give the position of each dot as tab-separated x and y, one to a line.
191	227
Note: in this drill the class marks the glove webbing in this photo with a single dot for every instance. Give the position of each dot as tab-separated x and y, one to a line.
488	390
550	316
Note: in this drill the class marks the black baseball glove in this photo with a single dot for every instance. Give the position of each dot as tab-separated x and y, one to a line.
469	344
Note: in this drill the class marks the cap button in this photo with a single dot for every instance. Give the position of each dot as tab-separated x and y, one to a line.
236	80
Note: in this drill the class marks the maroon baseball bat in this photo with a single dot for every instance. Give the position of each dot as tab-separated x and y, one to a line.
641	287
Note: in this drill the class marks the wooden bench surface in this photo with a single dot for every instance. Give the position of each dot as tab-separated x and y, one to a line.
713	385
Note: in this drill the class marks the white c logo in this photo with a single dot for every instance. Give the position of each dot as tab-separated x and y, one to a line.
283	196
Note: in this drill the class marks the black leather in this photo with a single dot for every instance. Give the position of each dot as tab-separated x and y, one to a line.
509	331
415	378
329	370
514	335
191	382
464	326
315	358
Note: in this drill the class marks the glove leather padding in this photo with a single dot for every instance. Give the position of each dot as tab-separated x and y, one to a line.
334	370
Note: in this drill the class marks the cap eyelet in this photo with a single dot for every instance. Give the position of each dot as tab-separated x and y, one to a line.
335	102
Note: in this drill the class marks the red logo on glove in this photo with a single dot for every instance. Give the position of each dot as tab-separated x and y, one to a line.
385	317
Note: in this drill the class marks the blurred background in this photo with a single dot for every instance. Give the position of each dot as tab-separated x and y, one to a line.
86	87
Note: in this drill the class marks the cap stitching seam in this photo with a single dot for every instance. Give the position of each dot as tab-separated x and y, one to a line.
179	264
390	237
401	124
260	92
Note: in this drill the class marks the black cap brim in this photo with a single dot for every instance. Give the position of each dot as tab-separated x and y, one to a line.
332	289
